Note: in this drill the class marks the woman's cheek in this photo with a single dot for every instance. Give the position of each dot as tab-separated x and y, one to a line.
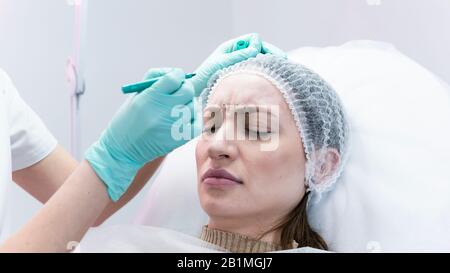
264	163
277	164
201	152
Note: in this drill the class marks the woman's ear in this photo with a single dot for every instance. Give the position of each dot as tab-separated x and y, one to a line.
328	165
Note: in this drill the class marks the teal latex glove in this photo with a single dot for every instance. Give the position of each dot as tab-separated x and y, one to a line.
268	48
226	55
144	128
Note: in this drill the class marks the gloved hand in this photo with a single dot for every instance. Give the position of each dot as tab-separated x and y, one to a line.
145	127
268	48
226	55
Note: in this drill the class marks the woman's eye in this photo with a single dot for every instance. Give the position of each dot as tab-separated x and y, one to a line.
254	131
209	128
259	134
212	119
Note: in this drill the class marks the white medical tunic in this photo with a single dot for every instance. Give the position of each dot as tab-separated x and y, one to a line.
24	139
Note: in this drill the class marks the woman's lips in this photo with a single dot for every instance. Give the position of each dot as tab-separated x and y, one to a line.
220	177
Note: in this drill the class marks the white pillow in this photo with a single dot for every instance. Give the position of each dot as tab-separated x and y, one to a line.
394	192
172	200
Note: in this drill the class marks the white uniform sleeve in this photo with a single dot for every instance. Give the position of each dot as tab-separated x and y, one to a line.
30	139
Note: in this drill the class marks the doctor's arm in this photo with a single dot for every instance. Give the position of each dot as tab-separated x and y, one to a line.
44	178
65	218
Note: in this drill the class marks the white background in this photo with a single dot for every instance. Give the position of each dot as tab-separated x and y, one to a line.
125	38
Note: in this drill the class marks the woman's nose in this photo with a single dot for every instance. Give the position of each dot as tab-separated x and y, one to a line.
222	145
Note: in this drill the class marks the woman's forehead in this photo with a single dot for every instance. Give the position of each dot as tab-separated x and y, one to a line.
246	88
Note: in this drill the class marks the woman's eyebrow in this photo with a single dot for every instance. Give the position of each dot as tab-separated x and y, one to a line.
212	106
256	109
212	109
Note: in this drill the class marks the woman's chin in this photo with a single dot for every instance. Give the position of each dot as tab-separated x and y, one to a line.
217	206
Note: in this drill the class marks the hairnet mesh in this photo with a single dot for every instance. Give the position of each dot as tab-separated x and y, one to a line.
315	107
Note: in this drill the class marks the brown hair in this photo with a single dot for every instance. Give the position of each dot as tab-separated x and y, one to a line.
295	226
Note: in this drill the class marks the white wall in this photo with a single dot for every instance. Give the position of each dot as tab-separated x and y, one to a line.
126	38
418	28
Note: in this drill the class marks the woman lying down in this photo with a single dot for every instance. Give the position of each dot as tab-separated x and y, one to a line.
275	138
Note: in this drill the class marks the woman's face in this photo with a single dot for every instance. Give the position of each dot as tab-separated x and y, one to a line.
250	166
